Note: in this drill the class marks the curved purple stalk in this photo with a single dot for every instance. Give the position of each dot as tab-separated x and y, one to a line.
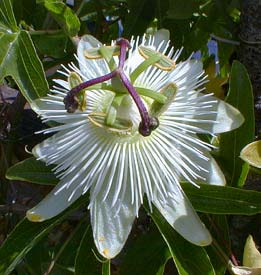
92	82
124	44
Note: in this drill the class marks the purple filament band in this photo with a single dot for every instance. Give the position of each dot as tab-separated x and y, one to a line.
92	82
124	44
137	99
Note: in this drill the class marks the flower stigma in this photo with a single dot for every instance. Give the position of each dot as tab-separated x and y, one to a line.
75	98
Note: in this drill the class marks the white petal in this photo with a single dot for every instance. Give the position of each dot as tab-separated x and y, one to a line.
204	113
90	68
64	144
188	156
208	167
187	75
54	110
224	117
46	103
180	214
111	226
213	174
43	149
54	203
161	35
228	118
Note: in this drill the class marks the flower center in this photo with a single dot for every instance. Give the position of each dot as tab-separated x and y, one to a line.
75	98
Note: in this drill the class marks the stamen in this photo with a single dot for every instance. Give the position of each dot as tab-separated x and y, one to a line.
147	124
71	101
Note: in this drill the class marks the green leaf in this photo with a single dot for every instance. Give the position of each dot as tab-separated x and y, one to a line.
86	256
149	256
140	14
7	19
179	9
38	256
18	59
61	252
25	235
68	250
223	199
220	233
63	15
32	170
189	259
44	43
33	14
231	143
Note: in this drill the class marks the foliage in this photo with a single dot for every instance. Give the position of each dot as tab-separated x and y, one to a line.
37	36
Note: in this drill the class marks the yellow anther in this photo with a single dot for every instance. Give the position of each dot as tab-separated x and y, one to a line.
164	63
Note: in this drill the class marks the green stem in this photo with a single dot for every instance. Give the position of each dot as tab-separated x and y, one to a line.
143	66
41	32
151	94
106	268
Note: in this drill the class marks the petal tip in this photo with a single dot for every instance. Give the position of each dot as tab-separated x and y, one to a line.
33	217
206	241
106	253
36	151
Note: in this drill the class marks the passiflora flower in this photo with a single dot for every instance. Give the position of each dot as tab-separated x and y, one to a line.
127	124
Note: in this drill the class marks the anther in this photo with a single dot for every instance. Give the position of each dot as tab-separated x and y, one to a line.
71	103
145	130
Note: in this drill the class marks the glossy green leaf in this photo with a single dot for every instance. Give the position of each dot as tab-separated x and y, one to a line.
44	43
68	250
223	199
27	12
63	15
86	262
149	252
231	143
7	19
220	233
18	59
189	259
32	170
39	256
25	235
